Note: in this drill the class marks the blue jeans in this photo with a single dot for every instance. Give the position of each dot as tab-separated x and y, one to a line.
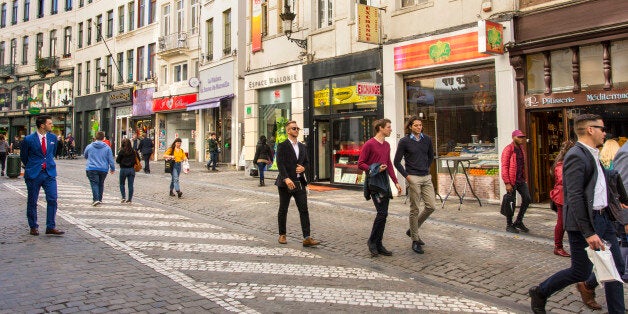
174	182
213	160
581	266
261	166
97	182
50	187
127	173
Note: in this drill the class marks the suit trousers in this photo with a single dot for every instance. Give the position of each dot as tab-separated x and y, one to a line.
50	188
420	188
146	158
379	224
300	197
581	266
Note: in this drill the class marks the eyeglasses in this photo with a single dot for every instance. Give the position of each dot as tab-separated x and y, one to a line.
601	127
295	128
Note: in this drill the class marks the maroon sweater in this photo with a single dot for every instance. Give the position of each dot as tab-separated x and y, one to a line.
374	152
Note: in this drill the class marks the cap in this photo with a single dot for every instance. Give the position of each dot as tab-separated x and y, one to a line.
517	133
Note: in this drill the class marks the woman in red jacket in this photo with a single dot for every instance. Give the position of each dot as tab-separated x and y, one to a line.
556	194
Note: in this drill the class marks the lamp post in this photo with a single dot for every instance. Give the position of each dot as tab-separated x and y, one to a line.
288	17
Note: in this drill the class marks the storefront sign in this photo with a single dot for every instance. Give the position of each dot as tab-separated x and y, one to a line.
369	89
272	79
368	24
341	96
490	37
143	102
179	102
120	96
124	111
216	81
256	26
438	51
584	98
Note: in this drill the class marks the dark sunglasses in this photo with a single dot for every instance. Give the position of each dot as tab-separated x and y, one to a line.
295	128
602	128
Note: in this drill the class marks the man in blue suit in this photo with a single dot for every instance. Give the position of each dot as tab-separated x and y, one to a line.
37	154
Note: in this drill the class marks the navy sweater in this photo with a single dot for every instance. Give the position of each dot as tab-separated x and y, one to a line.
417	154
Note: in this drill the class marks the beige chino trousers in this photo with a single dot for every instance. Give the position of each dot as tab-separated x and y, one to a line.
420	187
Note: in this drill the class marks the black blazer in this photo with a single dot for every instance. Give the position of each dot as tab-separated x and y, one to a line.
287	162
579	177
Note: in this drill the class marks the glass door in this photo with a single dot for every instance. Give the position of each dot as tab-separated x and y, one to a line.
323	156
546	134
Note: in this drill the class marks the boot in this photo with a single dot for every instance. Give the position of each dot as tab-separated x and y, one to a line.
261	182
560	251
588	296
171	192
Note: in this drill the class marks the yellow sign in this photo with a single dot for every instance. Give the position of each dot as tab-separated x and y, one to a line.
341	96
368	24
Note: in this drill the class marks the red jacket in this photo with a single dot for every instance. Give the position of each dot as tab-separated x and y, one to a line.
509	164
556	194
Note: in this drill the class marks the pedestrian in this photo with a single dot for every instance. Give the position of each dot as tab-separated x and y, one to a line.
15	145
621	163
212	145
106	141
375	161
418	153
587	217
608	152
146	149
556	194
5	148
291	182
515	178
40	170
136	142
263	156
99	161
126	158
177	155
59	151
71	145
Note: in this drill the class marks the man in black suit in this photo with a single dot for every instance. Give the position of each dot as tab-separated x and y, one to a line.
291	181
146	148
587	217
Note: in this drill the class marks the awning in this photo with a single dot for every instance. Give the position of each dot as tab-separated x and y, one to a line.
208	103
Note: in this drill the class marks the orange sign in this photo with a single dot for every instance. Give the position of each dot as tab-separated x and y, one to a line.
368	24
438	51
490	37
256	26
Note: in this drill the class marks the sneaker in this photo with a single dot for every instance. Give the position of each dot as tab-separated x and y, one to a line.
128	201
511	229
96	203
123	201
519	225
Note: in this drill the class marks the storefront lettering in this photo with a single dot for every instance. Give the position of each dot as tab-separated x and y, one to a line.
619	96
273	81
551	101
119	97
603	97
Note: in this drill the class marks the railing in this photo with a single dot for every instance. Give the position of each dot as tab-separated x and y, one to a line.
7	70
173	41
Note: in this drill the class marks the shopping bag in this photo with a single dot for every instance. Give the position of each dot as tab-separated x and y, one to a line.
185	166
603	265
508	205
168	165
138	165
253	172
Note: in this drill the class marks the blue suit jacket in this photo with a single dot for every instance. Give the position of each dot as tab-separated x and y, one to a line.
33	158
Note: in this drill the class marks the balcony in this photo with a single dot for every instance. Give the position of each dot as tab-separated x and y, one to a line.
46	65
7	70
173	44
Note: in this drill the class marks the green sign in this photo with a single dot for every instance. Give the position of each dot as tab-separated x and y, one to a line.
34	110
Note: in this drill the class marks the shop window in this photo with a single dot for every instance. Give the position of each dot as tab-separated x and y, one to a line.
534	70
349	135
591	67
274	112
619	63
562	79
344	94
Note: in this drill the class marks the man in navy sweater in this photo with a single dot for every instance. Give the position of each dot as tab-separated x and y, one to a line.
417	151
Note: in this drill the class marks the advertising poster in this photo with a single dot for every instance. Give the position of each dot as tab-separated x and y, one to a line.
256	26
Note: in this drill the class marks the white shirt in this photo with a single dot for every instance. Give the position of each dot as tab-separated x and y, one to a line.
295	146
41	137
600	196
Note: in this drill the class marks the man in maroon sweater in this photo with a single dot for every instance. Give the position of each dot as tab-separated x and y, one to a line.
377	151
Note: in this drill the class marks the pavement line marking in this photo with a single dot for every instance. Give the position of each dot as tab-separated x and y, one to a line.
304	270
383	299
212	294
125	214
220	248
150	223
120	207
181	234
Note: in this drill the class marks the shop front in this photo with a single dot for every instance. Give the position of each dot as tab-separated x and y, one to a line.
142	122
344	98
214	109
561	76
453	87
122	103
174	121
93	113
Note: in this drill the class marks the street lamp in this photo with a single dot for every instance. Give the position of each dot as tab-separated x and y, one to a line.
103	79
288	17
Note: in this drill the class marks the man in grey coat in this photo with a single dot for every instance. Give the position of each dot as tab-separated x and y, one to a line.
621	163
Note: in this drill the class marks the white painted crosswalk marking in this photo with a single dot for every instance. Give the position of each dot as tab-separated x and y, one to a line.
181	234
120	207
129	214
151	223
221	248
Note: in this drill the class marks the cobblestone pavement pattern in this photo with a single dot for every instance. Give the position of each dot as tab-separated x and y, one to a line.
215	250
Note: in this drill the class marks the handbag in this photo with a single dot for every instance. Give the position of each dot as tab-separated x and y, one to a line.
604	265
508	205
169	164
138	165
254	172
185	166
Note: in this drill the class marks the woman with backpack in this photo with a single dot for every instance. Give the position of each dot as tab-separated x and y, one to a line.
263	156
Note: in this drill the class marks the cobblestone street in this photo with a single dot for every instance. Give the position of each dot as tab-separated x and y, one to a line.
216	250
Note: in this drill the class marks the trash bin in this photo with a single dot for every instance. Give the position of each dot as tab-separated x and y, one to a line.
13	165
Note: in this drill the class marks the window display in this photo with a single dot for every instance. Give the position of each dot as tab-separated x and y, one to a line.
349	137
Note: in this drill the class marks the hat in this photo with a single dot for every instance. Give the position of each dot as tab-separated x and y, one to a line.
517	133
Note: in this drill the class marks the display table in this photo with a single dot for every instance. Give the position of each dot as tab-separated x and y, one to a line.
456	163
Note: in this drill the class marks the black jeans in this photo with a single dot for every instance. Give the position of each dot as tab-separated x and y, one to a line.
146	162
523	190
300	197
3	159
381	205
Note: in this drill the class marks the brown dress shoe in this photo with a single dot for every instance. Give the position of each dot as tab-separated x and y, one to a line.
588	296
34	231
309	241
54	231
561	252
282	239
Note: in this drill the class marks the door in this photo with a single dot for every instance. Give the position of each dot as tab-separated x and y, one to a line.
323	156
546	134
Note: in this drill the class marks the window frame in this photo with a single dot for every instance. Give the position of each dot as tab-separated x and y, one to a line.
25	41
27	10
121	17
109	23
67	41
226	44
